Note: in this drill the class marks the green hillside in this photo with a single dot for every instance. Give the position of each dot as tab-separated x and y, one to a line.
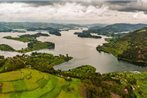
131	47
29	83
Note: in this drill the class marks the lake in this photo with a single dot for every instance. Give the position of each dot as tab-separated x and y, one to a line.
83	51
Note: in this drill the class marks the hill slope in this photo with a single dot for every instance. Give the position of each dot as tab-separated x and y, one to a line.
28	83
131	47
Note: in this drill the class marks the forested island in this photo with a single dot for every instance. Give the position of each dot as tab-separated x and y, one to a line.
32	43
37	45
86	35
32	46
27	37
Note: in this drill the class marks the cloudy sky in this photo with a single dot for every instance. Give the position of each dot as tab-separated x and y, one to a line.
74	11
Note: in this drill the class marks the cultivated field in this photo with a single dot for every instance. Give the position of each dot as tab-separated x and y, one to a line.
28	83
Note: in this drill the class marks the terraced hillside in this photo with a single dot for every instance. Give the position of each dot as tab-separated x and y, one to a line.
29	83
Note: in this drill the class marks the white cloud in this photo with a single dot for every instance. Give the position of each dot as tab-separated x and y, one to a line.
69	12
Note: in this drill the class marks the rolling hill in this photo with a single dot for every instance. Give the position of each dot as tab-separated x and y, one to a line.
28	83
131	48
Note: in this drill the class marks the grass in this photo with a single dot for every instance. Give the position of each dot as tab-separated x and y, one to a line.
142	83
29	83
114	48
16	75
72	89
4	47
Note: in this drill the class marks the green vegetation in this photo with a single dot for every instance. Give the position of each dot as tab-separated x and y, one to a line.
81	82
114	47
34	45
85	34
4	47
29	83
86	71
131	47
110	85
54	32
41	61
37	45
27	37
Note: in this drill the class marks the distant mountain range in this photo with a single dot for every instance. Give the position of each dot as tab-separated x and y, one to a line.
10	26
115	28
102	29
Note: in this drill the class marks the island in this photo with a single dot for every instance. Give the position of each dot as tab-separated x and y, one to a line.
37	45
86	35
32	43
27	37
32	46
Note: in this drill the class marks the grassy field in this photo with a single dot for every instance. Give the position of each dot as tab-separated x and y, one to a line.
29	83
142	83
5	47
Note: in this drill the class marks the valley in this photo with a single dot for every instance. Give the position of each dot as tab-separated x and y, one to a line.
52	66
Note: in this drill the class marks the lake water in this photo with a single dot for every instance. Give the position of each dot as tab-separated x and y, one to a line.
83	51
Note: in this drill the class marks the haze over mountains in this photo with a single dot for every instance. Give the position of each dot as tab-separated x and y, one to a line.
115	28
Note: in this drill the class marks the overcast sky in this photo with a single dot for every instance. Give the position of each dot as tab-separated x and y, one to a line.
74	11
